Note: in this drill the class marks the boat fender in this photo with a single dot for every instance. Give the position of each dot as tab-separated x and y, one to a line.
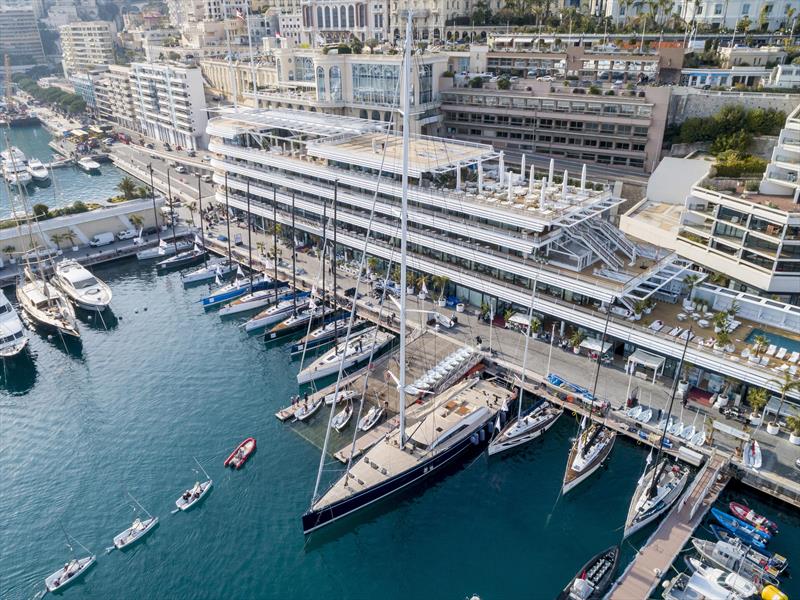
482	434
490	427
474	439
574	413
772	593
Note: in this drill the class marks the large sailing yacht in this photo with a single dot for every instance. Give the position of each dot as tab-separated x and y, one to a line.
443	429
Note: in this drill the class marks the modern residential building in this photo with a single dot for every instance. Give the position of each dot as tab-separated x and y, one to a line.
86	45
20	37
782	176
726	14
745	56
713	77
784	77
84	84
543	120
182	12
114	97
169	103
491	232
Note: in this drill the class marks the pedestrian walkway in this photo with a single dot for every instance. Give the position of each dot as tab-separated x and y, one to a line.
654	559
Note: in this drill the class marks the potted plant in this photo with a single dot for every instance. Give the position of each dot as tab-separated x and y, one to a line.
372	264
649	305
757	399
440	284
793	423
10	250
535	325
423	287
787	384
723	398
723	339
720	321
411	281
683	383
638	308
575	340
485	310
708	427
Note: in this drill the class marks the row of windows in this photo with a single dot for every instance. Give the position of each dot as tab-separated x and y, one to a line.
566	106
591	128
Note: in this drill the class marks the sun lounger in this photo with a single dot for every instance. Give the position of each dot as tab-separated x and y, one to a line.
745	353
782	368
781	353
753	359
675	331
764	361
686	333
656	325
793	370
772	350
794	357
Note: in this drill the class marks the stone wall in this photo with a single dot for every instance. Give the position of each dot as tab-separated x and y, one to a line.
691	102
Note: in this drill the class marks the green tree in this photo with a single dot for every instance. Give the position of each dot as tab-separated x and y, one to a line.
757	399
136	220
785	385
738	142
41	210
127	187
744	24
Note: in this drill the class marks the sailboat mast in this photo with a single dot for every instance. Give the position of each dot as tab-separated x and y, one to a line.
153	198
599	360
171	212
202	227
275	233
652	489
405	108
527	339
294	265
250	236
228	220
333	254
324	249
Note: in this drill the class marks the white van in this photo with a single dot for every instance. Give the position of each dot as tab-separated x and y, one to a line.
102	239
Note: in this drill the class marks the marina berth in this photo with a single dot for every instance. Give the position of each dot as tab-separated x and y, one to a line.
38	171
83	288
347	354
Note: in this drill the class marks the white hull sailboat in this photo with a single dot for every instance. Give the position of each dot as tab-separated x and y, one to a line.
252	301
589	452
271	316
342	418
369	420
347	353
46	306
69	574
84	289
209	272
653	498
164	249
138	529
527	428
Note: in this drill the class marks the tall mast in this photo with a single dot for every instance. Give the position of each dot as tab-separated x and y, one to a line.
275	234
202	227
294	265
405	108
527	339
172	212
651	492
249	237
153	198
333	256
599	360
324	248
228	221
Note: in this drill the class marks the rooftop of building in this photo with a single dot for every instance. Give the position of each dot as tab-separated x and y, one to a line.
739	194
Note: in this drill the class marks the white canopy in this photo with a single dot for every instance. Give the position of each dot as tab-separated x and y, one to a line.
647	360
593	345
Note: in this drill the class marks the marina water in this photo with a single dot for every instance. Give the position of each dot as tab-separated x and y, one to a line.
162	382
67	184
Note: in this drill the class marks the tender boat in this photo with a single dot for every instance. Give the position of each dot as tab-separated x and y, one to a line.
645	415
342	396
164	249
239	456
69	573
770	562
209	272
647	503
529	427
182	260
138	529
46	306
748	515
274	314
12	334
731	582
348	354
193	495
342	418
594	578
696	587
88	165
298	321
37	170
239	287
588	453
744	531
84	289
326	334
308	408
733	556
256	301
369	420
752	455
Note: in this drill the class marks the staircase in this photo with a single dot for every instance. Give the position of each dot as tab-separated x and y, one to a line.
589	237
616	237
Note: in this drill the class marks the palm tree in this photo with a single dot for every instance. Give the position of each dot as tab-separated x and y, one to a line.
136	220
69	236
127	186
57	238
784	386
757	399
691	281
760	344
372	264
576	339
142	191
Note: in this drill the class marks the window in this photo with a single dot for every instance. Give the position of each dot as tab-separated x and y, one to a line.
376	83
335	75
700	9
718	9
425	83
746	9
304	68
320	84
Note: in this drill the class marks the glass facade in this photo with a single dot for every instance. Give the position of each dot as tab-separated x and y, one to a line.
425	83
320	84
336	83
376	84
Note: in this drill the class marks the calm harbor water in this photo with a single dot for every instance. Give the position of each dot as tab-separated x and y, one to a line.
167	382
67	184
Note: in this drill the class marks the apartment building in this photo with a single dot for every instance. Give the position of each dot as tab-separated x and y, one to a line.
169	103
333	21
782	176
85	45
545	120
490	230
20	37
114	97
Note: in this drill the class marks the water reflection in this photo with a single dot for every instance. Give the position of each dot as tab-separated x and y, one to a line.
18	374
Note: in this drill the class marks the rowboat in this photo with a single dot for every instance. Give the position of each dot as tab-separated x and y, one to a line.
69	573
138	529
308	408
594	578
193	495
239	456
744	531
369	420
341	419
748	515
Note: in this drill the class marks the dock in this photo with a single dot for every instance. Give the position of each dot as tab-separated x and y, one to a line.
659	552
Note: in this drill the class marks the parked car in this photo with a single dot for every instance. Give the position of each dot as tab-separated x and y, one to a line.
102	239
191	153
206	158
149	145
206	178
127	234
180	169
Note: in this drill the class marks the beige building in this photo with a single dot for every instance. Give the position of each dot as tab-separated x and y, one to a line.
745	56
19	36
86	44
114	98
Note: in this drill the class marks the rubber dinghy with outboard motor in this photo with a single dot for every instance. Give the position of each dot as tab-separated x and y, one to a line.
594	578
744	531
69	573
138	529
748	515
239	456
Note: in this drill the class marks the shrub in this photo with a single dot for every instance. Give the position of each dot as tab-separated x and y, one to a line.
503	84
41	210
737	142
735	164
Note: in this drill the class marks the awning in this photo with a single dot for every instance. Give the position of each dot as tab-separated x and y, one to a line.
651	361
593	345
79	133
502	40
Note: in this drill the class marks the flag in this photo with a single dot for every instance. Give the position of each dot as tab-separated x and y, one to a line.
197	241
162	250
217	280
278	35
240	15
162	244
497	423
218	271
